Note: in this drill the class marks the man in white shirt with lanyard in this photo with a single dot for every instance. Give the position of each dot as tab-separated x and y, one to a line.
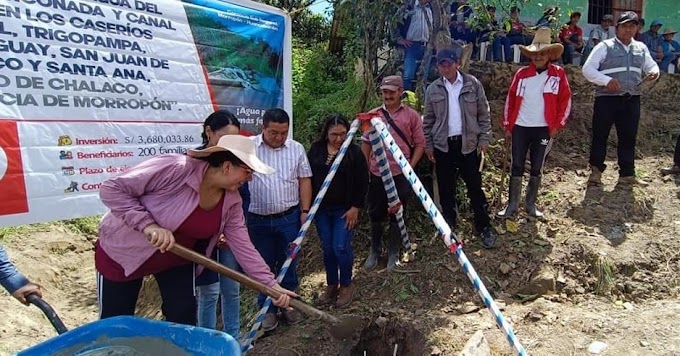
616	66
279	203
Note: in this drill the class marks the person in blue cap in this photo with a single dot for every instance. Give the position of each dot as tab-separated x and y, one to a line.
652	39
15	282
457	127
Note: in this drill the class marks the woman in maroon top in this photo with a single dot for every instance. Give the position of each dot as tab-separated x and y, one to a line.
175	199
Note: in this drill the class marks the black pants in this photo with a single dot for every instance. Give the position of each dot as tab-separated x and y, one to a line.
177	292
450	165
377	206
534	140
624	113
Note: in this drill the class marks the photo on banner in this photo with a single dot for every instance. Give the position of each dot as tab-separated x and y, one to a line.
242	52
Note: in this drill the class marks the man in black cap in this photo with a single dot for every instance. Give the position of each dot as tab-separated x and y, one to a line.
457	127
617	67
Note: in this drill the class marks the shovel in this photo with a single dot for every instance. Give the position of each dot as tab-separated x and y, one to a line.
340	328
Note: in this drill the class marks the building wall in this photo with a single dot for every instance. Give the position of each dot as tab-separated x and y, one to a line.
667	11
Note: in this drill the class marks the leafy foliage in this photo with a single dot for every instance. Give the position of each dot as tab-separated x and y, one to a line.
321	86
307	26
480	20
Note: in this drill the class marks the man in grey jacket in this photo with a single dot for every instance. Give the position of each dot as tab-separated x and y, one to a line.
457	127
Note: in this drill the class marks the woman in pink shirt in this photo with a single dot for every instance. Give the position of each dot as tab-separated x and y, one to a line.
190	200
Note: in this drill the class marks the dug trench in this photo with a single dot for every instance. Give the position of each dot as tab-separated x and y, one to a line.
602	266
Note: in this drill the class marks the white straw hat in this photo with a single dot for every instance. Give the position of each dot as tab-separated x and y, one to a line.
242	147
542	43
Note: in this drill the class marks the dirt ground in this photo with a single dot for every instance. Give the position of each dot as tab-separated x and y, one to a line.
603	266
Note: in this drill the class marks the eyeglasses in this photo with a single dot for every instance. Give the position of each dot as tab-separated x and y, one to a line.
246	168
335	136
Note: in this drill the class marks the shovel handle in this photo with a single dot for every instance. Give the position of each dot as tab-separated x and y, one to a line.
49	312
249	282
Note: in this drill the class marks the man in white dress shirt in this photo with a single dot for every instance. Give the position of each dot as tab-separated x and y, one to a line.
279	203
617	67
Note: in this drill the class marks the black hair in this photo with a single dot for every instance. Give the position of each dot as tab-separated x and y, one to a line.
332	120
575	14
276	115
216	121
217	159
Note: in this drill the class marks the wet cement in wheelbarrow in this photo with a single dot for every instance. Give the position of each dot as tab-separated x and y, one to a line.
125	346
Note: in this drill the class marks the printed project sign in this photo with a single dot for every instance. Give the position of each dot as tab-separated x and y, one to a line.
90	88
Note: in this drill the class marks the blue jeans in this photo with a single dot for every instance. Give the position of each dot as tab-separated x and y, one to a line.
272	236
413	56
668	58
505	43
336	243
231	303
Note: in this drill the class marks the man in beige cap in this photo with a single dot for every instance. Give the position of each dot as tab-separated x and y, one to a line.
598	34
617	67
537	107
406	128
670	49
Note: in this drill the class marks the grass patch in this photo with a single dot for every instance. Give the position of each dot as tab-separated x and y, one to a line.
87	226
604	272
11	232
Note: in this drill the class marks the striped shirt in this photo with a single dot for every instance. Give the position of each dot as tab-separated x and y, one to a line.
277	192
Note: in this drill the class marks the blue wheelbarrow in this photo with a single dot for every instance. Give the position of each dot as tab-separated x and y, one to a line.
127	335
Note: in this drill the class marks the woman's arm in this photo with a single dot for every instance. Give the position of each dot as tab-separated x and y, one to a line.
122	193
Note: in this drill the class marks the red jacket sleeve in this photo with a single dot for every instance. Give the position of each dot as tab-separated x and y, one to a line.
510	101
563	100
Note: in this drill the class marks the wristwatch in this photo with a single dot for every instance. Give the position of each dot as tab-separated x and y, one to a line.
305	211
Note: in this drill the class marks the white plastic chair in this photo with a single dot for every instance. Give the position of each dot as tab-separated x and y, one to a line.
483	49
516	53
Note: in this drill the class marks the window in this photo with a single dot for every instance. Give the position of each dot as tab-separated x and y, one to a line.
598	8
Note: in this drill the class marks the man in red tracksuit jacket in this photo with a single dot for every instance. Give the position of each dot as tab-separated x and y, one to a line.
537	107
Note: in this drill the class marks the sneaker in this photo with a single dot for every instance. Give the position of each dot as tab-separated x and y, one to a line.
489	237
329	296
345	296
595	178
270	322
672	170
292	316
632	180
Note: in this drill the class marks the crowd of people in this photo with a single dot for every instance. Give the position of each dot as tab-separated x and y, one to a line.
242	200
413	28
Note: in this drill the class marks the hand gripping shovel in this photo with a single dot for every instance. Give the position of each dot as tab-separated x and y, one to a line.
340	328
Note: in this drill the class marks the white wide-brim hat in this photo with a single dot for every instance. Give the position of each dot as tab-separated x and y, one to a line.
542	43
242	147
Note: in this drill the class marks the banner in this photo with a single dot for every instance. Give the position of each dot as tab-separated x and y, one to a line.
90	88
